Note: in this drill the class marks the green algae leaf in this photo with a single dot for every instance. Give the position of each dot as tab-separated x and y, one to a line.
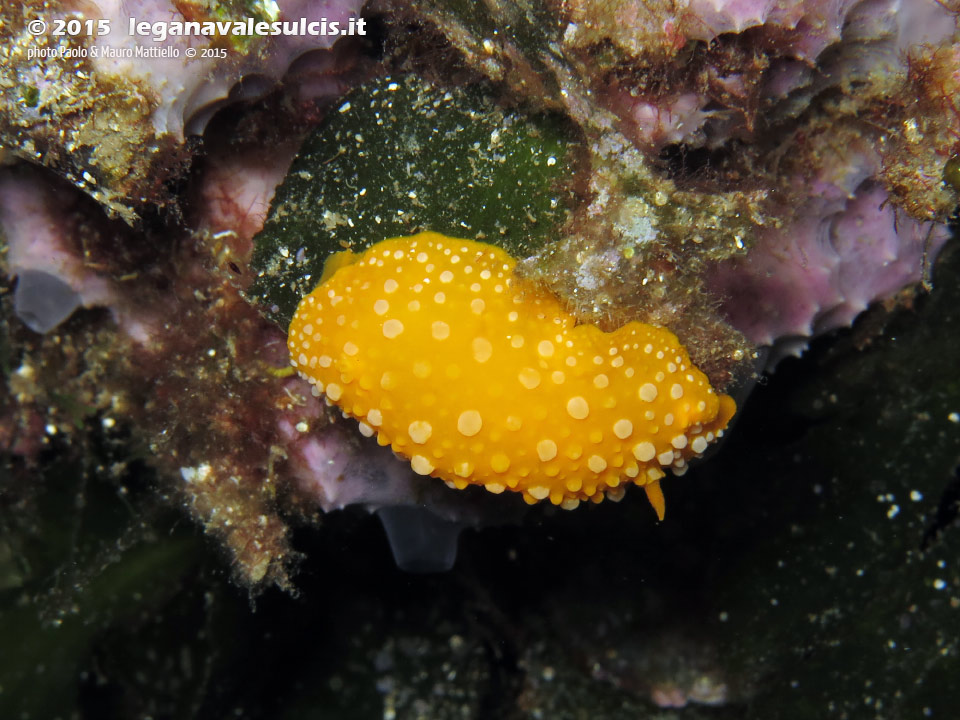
399	156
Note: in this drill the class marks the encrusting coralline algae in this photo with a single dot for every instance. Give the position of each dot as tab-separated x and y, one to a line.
117	124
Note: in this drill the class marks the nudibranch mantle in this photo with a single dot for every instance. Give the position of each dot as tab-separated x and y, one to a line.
478	376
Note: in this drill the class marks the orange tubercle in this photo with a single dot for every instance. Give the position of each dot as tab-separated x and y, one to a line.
477	376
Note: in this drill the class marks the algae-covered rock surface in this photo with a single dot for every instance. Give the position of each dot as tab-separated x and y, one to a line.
399	156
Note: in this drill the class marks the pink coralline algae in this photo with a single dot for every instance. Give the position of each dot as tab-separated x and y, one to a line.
663	121
190	89
111	111
779	62
848	246
235	188
337	469
824	270
44	227
811	25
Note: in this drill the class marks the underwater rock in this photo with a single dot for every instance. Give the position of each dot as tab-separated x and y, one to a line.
806	26
661	122
741	116
742	80
334	468
244	160
849	246
335	471
41	235
45	227
672	667
123	368
699	72
806	48
236	187
110	111
190	89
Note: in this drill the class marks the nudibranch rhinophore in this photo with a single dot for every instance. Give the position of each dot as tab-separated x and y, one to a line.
478	376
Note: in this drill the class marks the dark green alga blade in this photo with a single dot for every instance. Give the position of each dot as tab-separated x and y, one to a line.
399	156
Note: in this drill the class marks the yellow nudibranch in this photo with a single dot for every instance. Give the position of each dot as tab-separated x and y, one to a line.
478	376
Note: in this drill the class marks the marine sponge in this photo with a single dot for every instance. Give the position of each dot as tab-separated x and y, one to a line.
478	376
